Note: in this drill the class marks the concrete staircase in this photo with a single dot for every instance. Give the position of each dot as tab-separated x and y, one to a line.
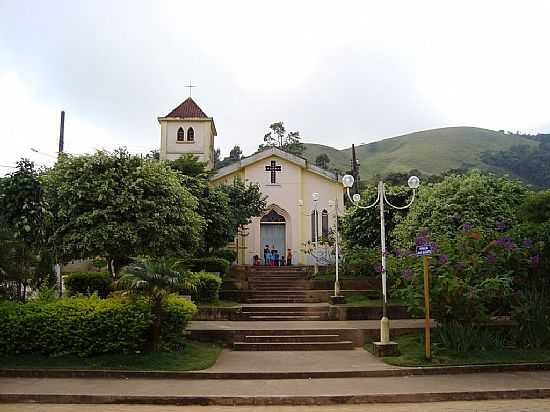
280	294
281	340
279	312
279	285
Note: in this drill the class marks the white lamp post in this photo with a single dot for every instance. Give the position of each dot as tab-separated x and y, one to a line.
334	204
413	183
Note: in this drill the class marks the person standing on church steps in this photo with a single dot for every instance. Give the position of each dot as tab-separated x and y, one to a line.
266	253
289	257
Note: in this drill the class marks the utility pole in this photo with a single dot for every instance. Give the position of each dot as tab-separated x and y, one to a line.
354	170
59	152
61	133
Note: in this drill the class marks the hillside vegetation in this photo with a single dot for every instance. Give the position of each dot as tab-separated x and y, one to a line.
430	151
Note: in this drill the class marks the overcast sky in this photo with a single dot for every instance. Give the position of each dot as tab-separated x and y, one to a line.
339	72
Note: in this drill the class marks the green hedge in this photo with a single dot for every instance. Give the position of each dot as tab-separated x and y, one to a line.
89	282
227	254
85	326
207	287
178	311
210	264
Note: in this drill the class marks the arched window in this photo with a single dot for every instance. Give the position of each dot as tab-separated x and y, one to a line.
181	135
190	135
324	223
314	226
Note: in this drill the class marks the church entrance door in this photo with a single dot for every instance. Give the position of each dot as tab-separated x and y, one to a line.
273	232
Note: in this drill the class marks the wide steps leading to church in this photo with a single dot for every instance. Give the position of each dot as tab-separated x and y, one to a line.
283	313
283	340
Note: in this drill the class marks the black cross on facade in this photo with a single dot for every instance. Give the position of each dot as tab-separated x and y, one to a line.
273	168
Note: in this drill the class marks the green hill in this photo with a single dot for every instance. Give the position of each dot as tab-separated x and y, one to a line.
430	151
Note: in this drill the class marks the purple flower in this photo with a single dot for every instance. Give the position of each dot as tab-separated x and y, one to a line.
535	259
467	227
501	226
421	240
527	242
398	253
491	258
443	259
407	274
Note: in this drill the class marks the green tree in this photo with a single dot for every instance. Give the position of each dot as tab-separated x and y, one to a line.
23	213
118	205
235	155
245	201
536	208
322	161
155	280
277	137
190	165
476	199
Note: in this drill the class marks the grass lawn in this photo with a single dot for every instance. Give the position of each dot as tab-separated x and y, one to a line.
412	354
195	356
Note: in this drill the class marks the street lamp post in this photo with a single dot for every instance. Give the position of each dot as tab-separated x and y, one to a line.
334	203
381	198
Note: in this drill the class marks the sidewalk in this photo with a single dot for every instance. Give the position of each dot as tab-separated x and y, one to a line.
279	392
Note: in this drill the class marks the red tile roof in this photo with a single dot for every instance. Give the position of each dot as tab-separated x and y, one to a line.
188	109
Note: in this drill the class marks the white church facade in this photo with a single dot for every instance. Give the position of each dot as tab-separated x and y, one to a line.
288	181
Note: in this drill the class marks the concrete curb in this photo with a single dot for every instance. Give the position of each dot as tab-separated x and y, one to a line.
276	400
197	375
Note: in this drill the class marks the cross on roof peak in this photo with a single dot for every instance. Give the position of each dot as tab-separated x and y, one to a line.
190	86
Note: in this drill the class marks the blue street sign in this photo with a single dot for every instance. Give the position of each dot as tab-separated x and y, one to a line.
424	250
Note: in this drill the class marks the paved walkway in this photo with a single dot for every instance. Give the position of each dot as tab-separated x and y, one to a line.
283	389
298	361
516	405
321	324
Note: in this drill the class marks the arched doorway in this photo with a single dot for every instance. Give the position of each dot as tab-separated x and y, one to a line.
273	231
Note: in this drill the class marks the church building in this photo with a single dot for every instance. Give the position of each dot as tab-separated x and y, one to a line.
301	197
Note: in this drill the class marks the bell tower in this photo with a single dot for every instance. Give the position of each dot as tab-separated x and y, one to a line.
187	130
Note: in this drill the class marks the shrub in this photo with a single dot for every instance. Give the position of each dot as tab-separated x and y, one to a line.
361	261
87	326
461	338
227	254
177	312
89	282
210	264
207	287
80	325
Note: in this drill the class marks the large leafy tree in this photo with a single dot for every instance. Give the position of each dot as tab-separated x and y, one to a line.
225	208
278	137
322	161
23	211
245	201
119	205
482	200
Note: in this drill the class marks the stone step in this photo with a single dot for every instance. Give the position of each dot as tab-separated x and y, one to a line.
274	317
283	346
284	300
280	309
292	338
279	292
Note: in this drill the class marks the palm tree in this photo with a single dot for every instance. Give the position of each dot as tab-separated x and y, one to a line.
154	279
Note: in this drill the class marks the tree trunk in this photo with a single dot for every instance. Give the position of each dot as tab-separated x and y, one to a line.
155	335
110	266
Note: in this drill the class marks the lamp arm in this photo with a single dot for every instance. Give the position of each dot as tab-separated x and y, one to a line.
400	207
363	207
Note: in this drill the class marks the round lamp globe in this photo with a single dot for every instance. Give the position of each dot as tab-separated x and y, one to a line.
348	181
414	182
